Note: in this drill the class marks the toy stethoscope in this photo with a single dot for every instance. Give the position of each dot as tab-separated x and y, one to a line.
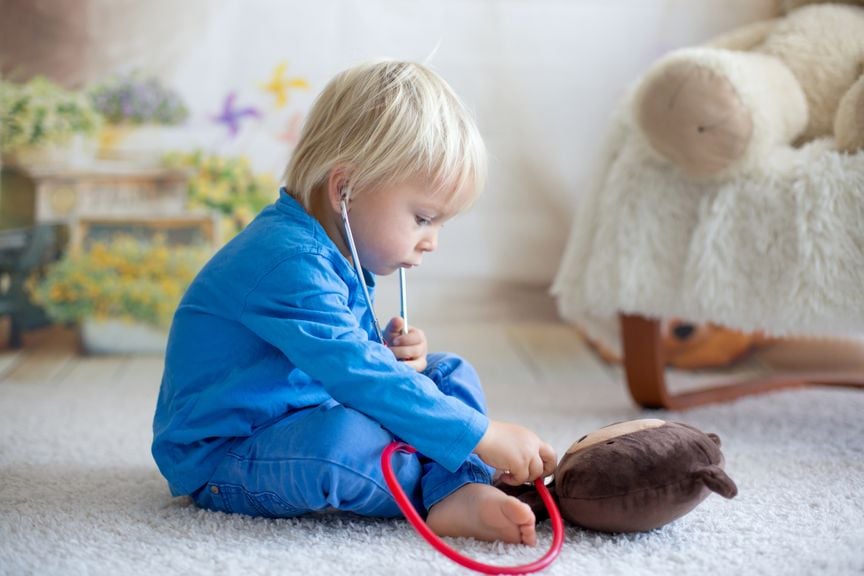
402	500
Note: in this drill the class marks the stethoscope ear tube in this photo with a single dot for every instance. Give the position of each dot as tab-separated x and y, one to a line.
359	269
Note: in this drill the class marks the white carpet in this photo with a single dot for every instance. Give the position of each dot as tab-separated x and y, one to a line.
79	493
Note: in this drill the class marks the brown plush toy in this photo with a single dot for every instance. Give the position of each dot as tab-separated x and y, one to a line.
635	476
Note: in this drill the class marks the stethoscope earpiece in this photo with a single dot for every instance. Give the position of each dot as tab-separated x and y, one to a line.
344	197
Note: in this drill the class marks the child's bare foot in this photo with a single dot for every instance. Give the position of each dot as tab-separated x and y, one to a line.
483	512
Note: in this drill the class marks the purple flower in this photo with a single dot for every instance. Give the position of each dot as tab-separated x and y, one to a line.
133	99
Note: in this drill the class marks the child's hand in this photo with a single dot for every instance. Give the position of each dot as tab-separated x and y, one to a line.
410	348
517	451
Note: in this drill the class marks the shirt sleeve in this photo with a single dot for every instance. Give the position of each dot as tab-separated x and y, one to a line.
302	308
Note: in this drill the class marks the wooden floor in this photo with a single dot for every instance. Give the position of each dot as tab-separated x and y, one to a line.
511	333
50	357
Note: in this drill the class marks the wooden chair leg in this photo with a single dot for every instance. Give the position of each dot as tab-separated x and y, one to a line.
645	367
644	361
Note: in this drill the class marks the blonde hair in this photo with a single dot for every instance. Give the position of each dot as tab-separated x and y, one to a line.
386	122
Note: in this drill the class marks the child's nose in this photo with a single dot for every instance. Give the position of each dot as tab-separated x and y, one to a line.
429	243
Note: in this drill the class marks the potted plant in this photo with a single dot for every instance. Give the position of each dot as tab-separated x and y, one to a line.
41	122
122	293
227	185
129	102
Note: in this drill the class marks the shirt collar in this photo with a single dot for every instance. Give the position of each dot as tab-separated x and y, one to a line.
289	205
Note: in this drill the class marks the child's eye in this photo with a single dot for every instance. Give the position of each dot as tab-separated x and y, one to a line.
422	221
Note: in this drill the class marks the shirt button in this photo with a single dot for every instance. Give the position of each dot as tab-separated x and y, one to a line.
214	489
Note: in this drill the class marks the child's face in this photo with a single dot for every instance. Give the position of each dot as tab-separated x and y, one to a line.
394	226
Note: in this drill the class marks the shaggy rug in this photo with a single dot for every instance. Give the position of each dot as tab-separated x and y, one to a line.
79	493
775	247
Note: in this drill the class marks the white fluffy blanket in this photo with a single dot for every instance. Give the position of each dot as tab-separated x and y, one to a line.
779	248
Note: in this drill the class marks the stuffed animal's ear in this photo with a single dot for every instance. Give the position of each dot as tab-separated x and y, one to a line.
717	481
714	438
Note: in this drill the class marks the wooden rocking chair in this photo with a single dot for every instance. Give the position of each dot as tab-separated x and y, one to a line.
645	368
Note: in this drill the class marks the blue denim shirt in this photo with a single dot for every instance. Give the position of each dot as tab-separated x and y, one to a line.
277	321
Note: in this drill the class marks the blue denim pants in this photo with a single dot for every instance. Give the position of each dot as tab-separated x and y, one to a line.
327	457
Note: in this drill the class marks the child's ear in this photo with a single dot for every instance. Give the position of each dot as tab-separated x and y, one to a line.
338	187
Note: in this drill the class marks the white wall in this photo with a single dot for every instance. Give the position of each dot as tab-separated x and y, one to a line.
542	77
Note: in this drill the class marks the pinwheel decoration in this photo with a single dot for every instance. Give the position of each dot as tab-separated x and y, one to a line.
231	115
291	134
279	84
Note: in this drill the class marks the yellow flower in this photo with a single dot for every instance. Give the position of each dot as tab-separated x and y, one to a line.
122	278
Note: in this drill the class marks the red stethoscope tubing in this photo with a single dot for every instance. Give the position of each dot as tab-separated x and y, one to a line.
414	518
